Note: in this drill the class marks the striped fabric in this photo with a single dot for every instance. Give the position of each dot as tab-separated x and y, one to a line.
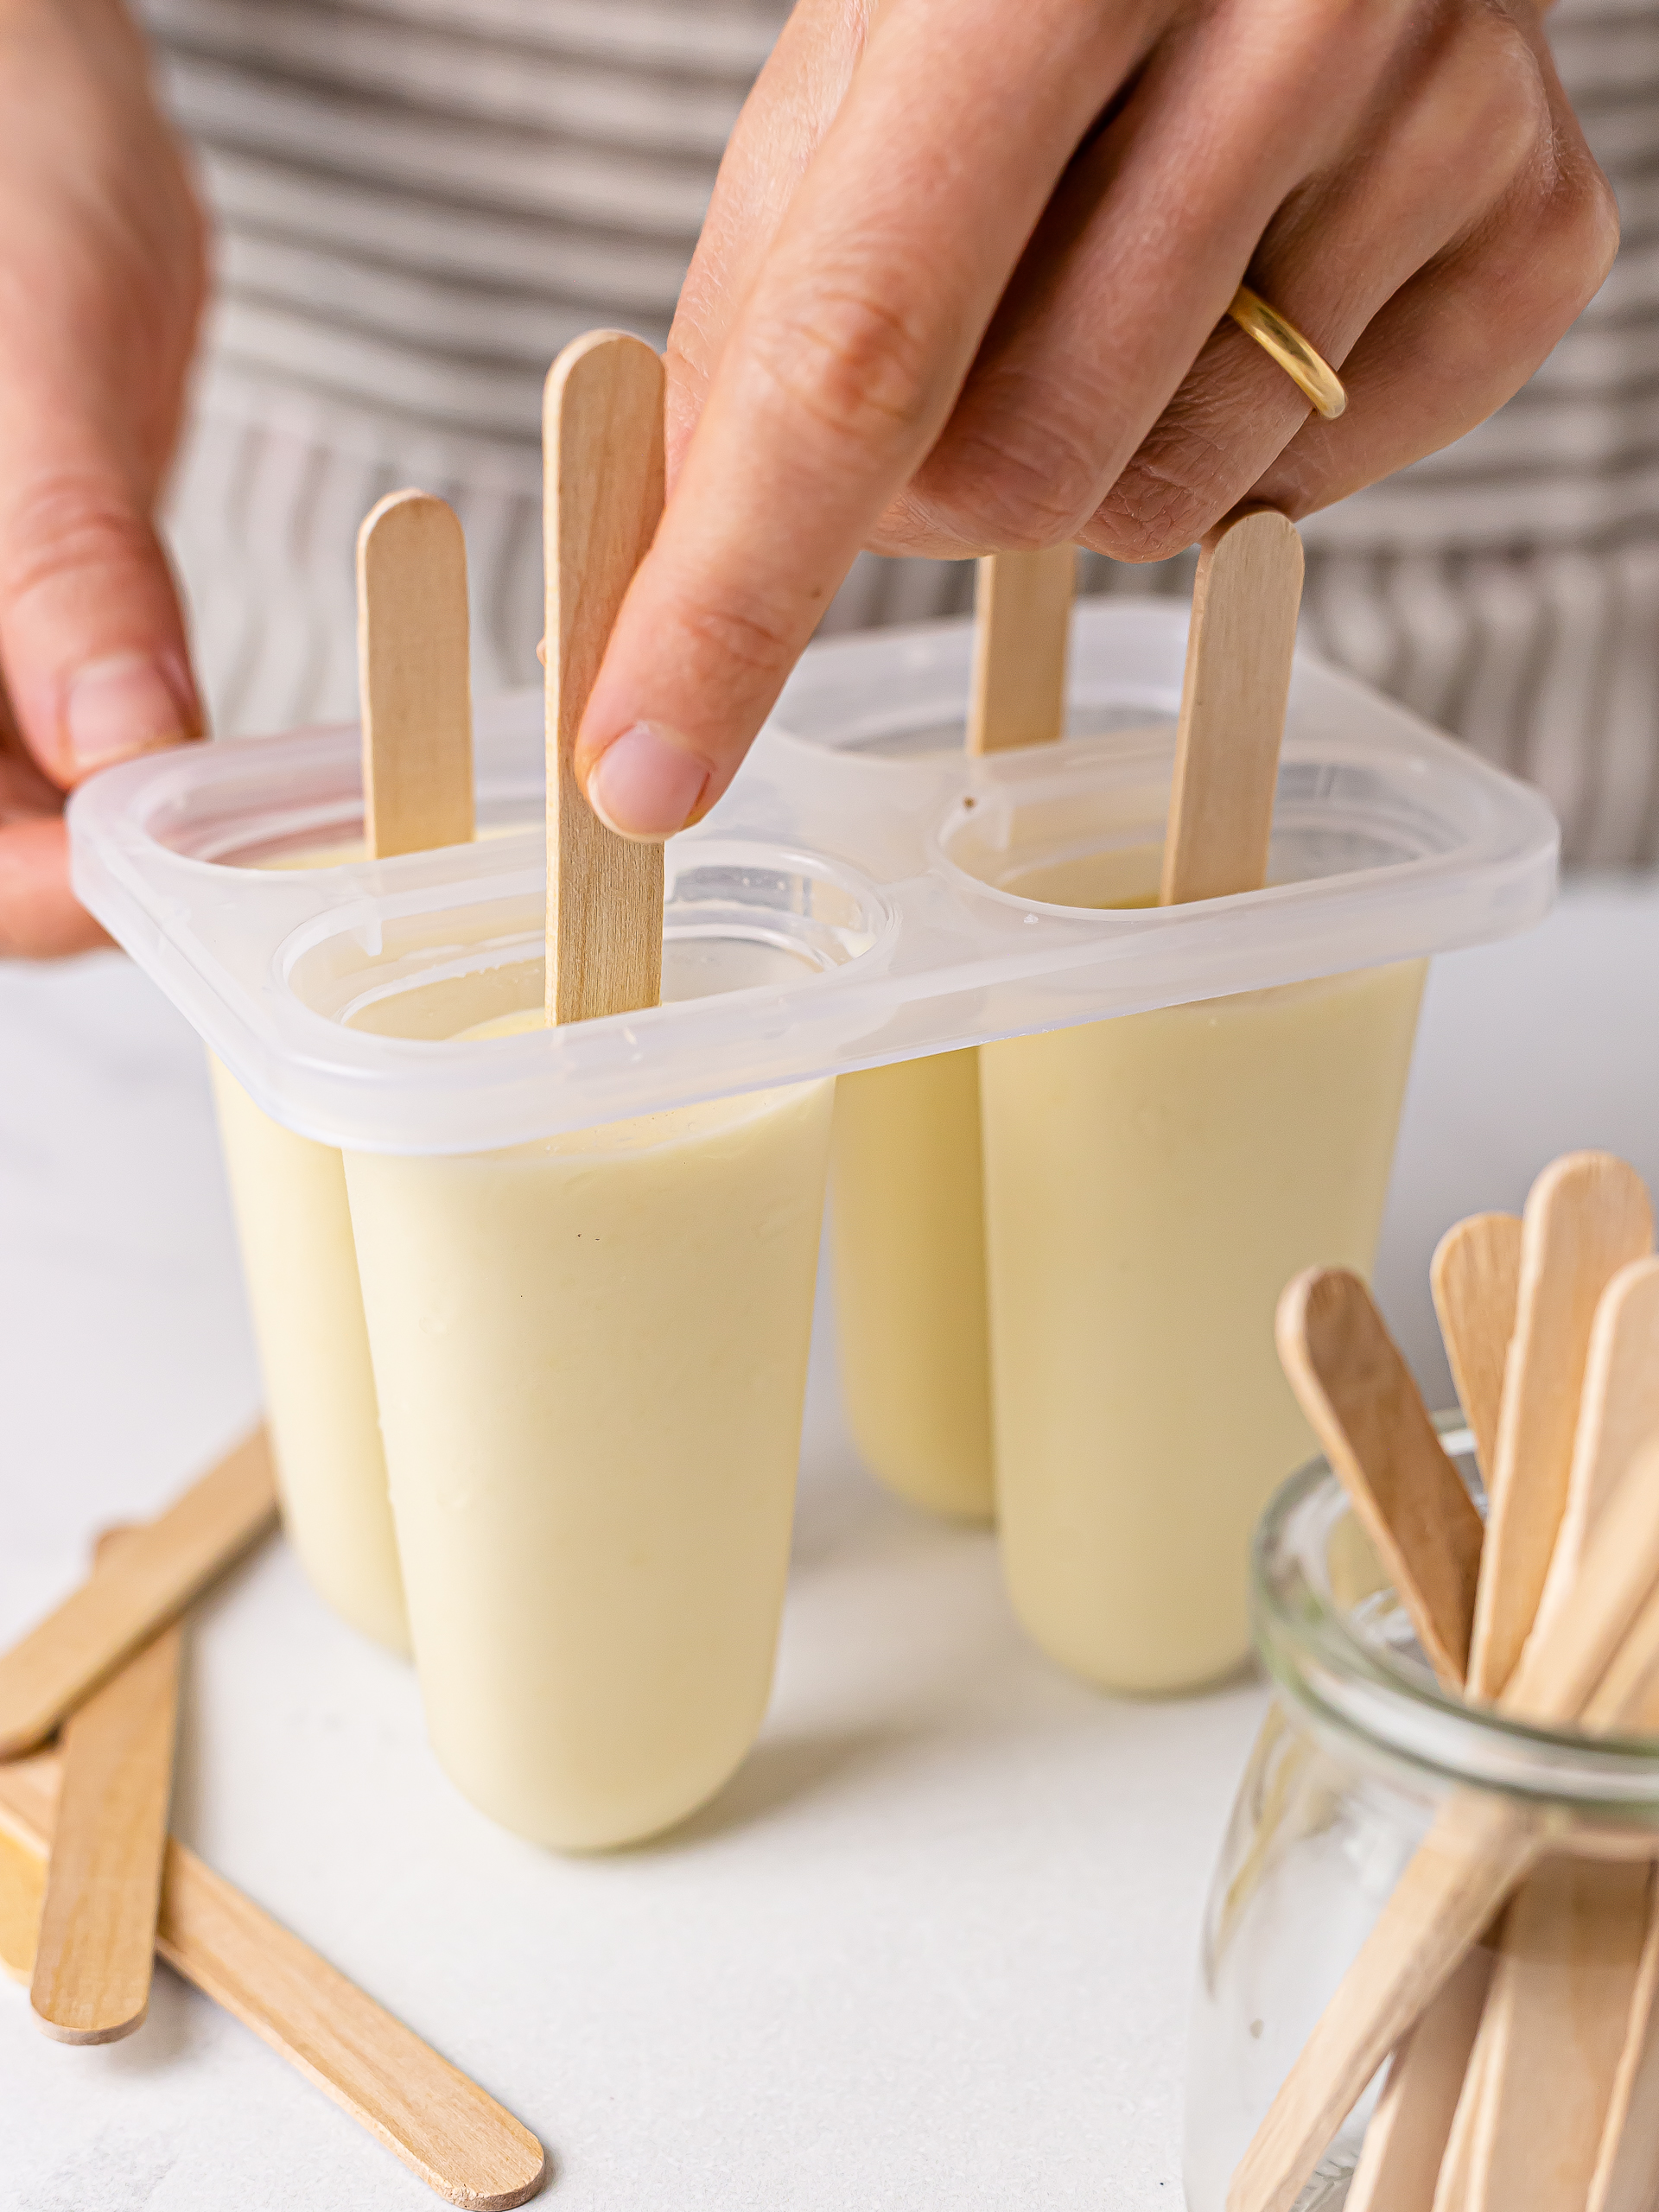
420	201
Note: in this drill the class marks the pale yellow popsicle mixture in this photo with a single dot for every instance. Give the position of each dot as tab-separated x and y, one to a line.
1151	1184
295	1228
592	1355
907	1237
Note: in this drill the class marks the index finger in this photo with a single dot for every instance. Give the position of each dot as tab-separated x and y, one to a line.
838	377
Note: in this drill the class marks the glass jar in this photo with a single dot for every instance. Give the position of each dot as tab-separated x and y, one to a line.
1358	1752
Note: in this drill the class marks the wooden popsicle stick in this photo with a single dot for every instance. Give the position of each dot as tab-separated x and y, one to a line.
1628	2158
1361	1400
414	681
1618	1414
1586	1216
1400	2160
1365	1409
1452	2183
1627	1693
1553	2032
1233	696
96	1942
22	1885
1022	629
603	452
1561	2007
443	2126
160	1568
1475	1276
1479	1848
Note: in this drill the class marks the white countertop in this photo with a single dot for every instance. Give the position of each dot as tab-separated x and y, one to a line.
931	1948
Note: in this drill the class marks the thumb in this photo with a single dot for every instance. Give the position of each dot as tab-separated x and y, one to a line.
92	645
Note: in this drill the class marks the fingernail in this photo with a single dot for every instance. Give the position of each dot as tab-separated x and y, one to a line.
645	785
125	704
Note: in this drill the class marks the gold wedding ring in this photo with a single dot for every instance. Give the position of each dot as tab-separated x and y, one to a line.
1305	368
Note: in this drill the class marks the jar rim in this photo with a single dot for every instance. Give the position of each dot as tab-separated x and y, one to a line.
1391	1707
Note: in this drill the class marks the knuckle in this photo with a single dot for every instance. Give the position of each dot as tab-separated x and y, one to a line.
1568	248
1186	472
1141	520
1585	230
853	364
755	639
1491	82
66	525
1019	482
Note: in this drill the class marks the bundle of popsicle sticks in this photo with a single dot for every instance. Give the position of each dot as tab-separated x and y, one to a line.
1510	1981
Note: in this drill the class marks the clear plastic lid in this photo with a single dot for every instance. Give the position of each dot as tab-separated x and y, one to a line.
864	893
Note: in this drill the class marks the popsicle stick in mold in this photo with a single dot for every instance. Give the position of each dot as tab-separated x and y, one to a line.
97	1939
1233	696
1365	1409
1475	1276
413	678
1479	1849
158	1570
602	458
1022	629
1586	1216
460	2141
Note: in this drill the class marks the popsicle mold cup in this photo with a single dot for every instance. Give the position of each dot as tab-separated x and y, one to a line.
865	896
592	1354
907	1240
1150	1184
294	1225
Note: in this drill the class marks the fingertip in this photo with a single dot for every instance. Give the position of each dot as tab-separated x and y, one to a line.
646	784
41	919
126	703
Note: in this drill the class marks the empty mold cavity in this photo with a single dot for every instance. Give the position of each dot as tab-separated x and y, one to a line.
298	804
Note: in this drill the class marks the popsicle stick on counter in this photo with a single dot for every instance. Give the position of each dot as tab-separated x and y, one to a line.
1477	1850
157	1571
1022	629
443	2126
96	1940
1586	1216
22	1888
1236	685
602	454
1364	1407
413	677
1475	1276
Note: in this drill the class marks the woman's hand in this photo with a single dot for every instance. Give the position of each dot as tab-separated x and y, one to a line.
102	268
963	287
